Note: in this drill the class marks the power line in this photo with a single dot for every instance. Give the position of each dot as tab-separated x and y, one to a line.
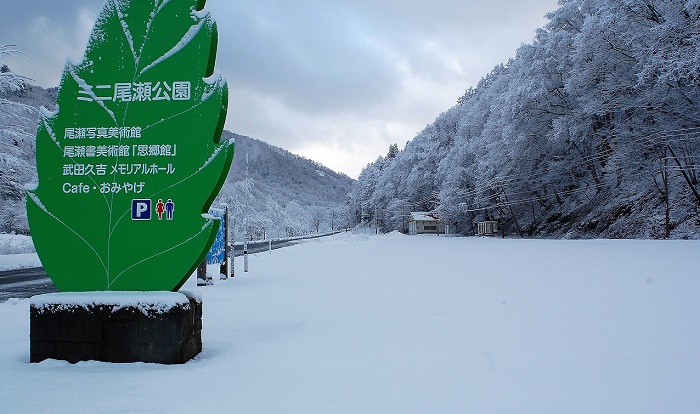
613	154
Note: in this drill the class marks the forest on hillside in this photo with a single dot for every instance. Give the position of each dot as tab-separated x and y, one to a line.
281	194
592	130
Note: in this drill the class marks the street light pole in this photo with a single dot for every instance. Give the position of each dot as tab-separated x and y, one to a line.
247	196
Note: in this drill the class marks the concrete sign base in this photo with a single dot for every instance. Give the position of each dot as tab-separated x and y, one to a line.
152	327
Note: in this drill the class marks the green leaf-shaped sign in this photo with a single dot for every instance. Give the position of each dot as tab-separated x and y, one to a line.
132	157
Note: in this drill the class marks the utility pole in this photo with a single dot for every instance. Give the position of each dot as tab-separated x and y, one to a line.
202	273
376	221
684	173
510	207
224	269
245	224
501	224
403	217
232	248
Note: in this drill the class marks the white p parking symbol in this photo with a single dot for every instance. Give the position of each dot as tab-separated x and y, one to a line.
141	210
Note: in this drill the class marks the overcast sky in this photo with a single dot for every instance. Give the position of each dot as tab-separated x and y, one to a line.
336	81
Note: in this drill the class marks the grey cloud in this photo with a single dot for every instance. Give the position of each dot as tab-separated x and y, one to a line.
17	19
306	55
20	13
47	32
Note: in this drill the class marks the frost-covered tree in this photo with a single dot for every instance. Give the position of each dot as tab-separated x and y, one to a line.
393	150
17	147
318	216
279	184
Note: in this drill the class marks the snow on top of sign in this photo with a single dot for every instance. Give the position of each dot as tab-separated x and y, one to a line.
38	202
201	14
215	80
88	90
49	130
96	36
47	113
186	39
146	302
211	159
125	29
162	4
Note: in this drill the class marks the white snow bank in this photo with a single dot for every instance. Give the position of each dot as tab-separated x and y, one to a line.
11	244
17	252
19	261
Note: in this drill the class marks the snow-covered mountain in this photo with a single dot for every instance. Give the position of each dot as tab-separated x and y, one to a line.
289	194
285	194
593	130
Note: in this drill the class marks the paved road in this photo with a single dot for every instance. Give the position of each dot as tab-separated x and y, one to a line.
25	283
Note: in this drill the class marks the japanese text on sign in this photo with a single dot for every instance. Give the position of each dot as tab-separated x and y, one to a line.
80	170
137	92
104	188
102	133
97	151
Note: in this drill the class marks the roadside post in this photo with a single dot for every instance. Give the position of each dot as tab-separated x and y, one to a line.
202	278
227	248
245	254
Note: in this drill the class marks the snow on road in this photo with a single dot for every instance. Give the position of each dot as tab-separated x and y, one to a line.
398	324
19	261
17	252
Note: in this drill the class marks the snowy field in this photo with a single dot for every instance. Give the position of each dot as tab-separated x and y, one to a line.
398	324
17	252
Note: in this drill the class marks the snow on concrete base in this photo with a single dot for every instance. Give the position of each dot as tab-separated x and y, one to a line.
146	302
157	327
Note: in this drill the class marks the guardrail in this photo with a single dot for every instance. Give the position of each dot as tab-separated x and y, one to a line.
286	239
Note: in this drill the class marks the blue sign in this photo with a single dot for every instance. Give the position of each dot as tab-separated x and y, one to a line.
141	210
217	253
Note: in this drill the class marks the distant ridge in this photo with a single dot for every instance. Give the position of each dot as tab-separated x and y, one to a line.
290	194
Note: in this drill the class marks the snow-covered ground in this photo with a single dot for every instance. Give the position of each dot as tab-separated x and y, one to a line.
398	324
17	252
